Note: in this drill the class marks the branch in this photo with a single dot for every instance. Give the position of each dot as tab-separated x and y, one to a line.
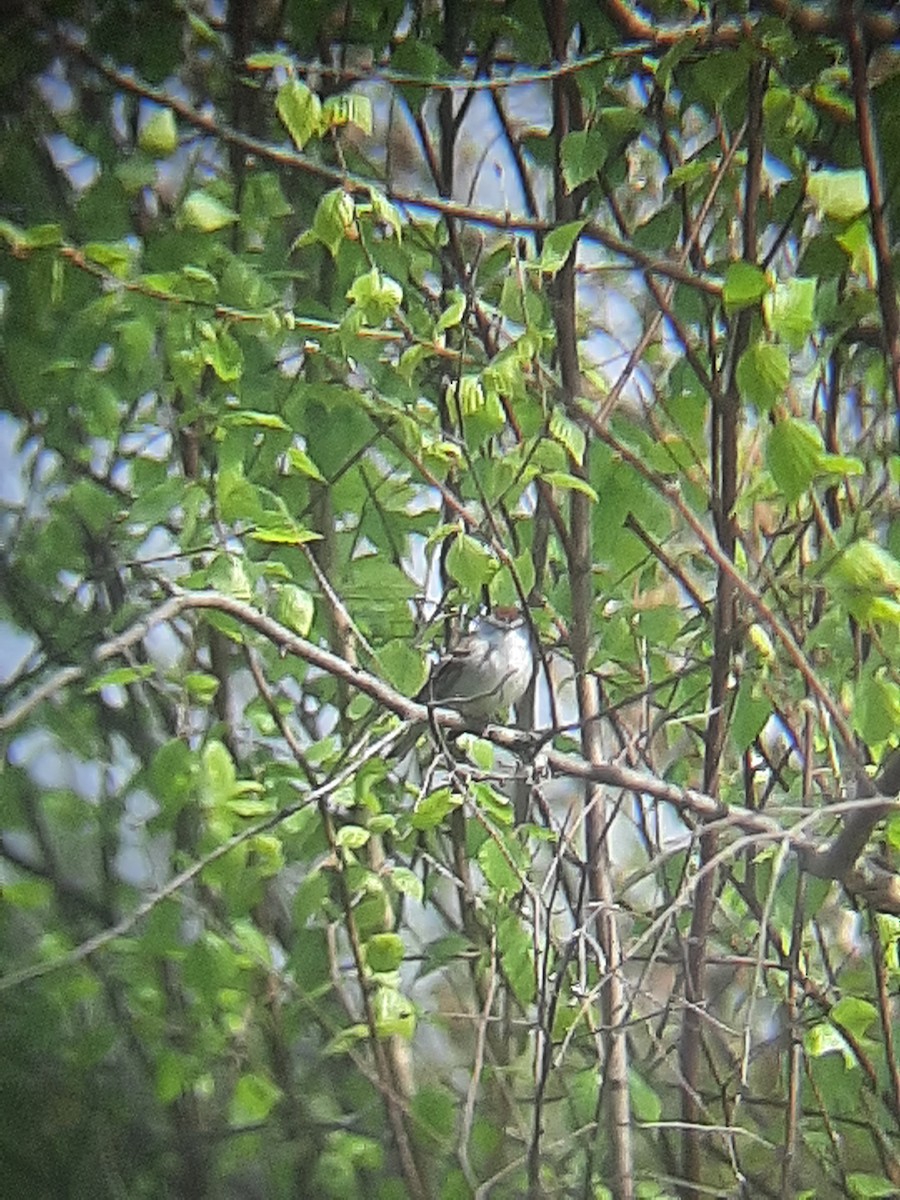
292	159
831	862
868	145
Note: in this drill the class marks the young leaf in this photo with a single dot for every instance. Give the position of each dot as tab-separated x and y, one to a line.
295	608
763	373
300	110
158	135
793	455
745	285
205	213
581	155
351	108
558	245
839	194
470	563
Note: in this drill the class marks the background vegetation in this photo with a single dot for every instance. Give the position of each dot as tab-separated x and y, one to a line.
321	325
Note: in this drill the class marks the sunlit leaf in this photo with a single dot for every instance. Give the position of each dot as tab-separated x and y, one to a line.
865	578
295	608
790	310
793	454
470	563
253	1099
351	108
745	285
158	135
384	952
558	245
204	212
839	194
763	374
120	677
300	110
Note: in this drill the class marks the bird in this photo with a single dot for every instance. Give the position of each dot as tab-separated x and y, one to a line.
482	675
486	671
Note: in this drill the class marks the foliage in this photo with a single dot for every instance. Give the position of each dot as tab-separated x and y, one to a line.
322	327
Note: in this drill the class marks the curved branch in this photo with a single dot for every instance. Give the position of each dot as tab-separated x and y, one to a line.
292	159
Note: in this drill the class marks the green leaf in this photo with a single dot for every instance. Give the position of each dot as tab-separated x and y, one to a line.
865	579
763	373
311	896
432	809
172	773
28	894
854	1014
352	837
503	592
117	257
204	212
228	574
38	237
468	394
334	219
581	156
384	952
395	1015
435	1110
499	871
173	1076
250	808
258	420
856	241
299	460
569	434
866	1186
223	353
218	778
876	707
300	111
645	1102
201	685
254	1098
418	60
839	194
351	108
407	882
558	245
295	608
471	564
268	61
790	310
385	212
479	751
745	285
572	483
120	677
401	665
452	314
285	535
751	711
517	957
158	135
377	295
793	453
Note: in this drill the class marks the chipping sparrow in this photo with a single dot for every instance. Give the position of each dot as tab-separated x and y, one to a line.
486	671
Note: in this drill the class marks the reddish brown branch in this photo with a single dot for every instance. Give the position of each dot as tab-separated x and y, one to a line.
871	158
